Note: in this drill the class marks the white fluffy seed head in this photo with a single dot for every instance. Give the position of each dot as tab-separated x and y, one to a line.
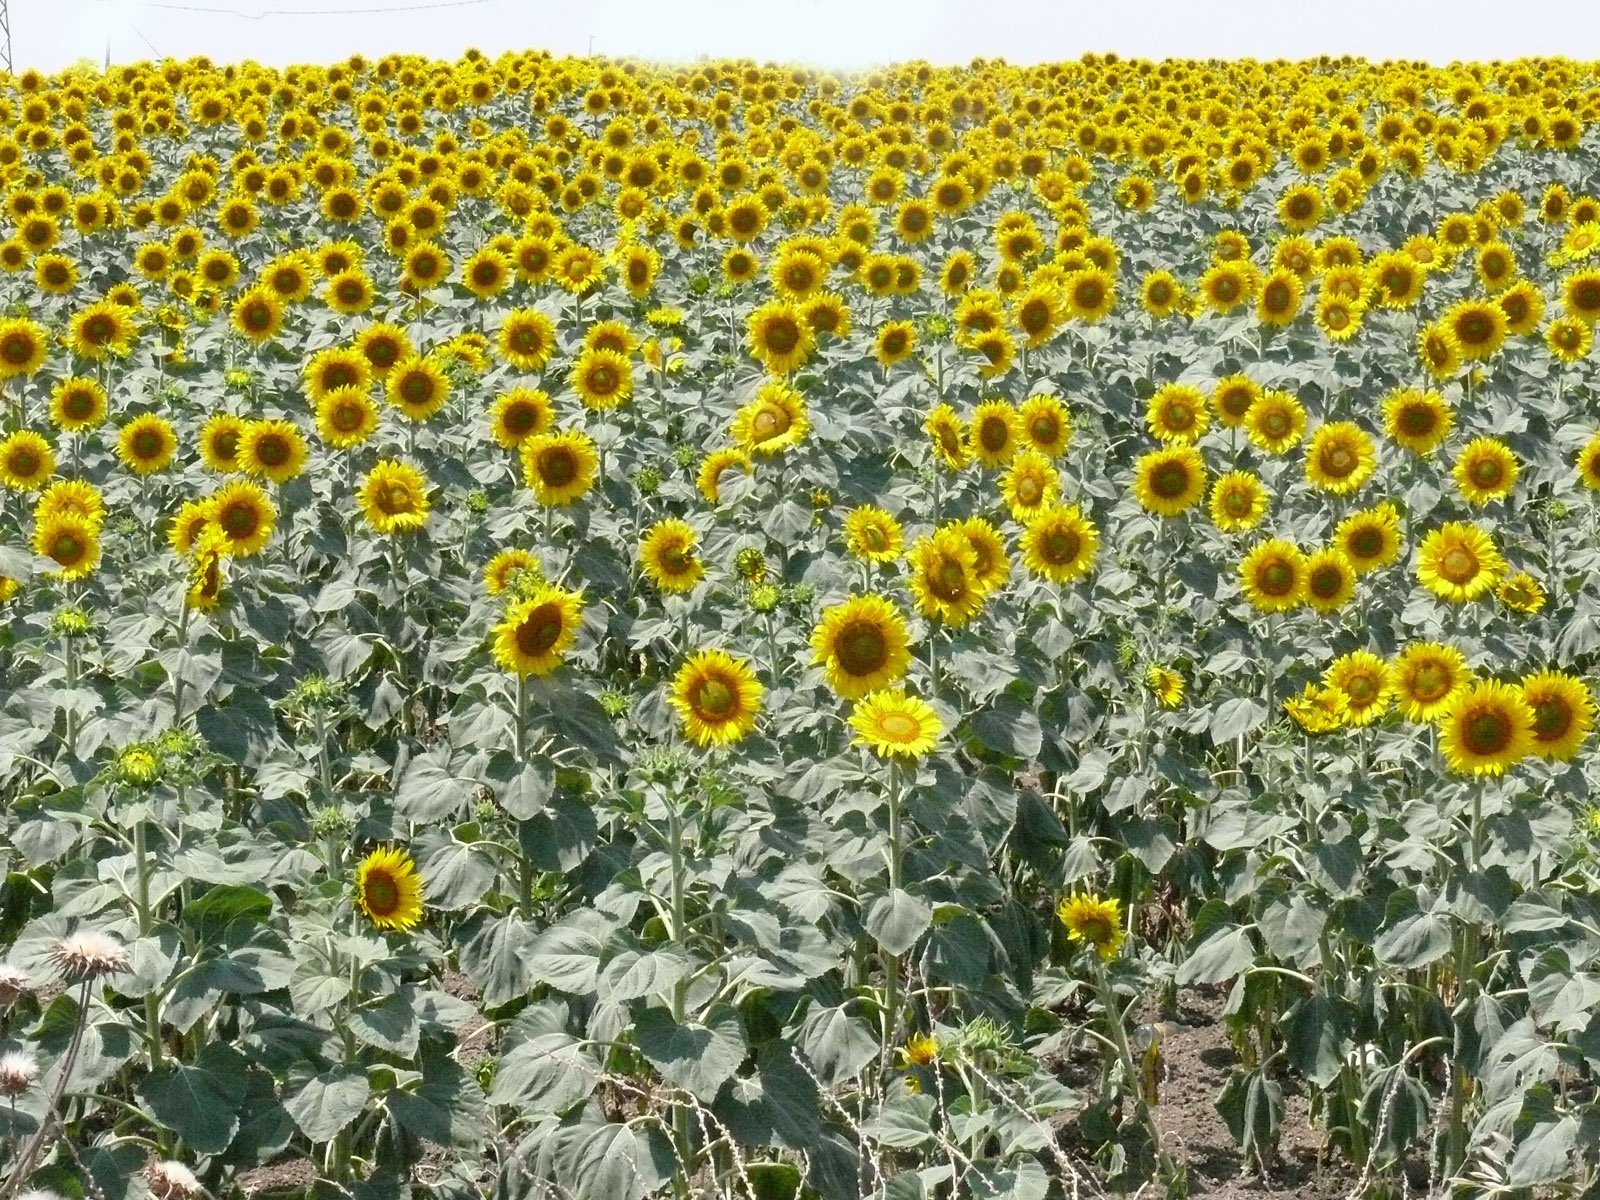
19	1071
90	954
13	983
172	1181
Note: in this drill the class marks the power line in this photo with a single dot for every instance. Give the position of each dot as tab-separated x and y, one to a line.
316	12
146	40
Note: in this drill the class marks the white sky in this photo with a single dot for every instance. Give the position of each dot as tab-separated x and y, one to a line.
51	34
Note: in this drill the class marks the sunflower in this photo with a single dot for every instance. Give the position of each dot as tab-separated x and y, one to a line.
1276	422
996	353
1316	709
1273	576
944	579
100	330
1338	317
290	277
274	450
896	341
527	339
193	519
1233	398
258	314
603	379
774	421
537	631
520	414
893	724
827	313
385	347
1177	414
1059	544
1161	295
1038	314
1589	464
1364	680
245	516
1416	420
1569	339
207	576
334	368
1478	326
77	404
1370	538
1486	470
1169	482
1396	279
71	540
708	479
717	697
146	444
1523	305
417	387
1045	423
1095	921
508	567
1340	458
994	433
426	266
991	567
75	496
1458	562
1165	684
614	336
1488	727
1091	294
349	292
1521	593
559	466
220	437
1580	296
862	645
1427	677
1238	502
23	347
26	461
1330	580
1278	303
394	498
949	439
388	890
1228	285
346	417
872	535
1563	713
780	336
667	556
486	273
1030	485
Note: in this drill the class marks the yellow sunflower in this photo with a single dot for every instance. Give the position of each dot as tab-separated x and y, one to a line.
538	630
245	515
1169	482
1478	326
1427	677
1091	294
23	347
1569	339
76	496
667	556
1059	544
560	466
944	579
1233	398
774	421
394	498
872	535
1273	576
71	540
1486	470
1589	464
603	379
146	444
193	518
895	725
717	697
385	347
527	339
274	450
520	414
1316	709
1177	414
1521	593
77	404
334	368
1563	713
994	433
258	314
1030	485
1439	351
895	341
1330	580
1370	538
1458	562
1095	921
1365	682
1238	502
1340	457
949	439
418	388
388	890
708	480
1487	728
219	442
26	461
780	337
1046	424
1416	420
1165	684
862	645
346	417
1276	422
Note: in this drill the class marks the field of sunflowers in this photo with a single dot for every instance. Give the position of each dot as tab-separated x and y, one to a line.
587	630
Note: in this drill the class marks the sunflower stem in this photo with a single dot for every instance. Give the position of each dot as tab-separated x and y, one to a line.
152	1004
521	743
1116	1027
891	962
71	654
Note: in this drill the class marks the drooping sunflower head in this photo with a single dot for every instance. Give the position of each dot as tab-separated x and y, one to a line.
1439	350
1486	728
1273	576
893	724
708	479
1165	684
1094	921
1169	482
1521	593
949	439
717	697
388	890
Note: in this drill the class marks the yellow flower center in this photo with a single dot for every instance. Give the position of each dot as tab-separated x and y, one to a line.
901	728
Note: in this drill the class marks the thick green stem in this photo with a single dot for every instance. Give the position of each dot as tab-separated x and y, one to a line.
1132	1079
152	1003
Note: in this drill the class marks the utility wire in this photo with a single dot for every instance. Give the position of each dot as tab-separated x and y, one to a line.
146	40
316	12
